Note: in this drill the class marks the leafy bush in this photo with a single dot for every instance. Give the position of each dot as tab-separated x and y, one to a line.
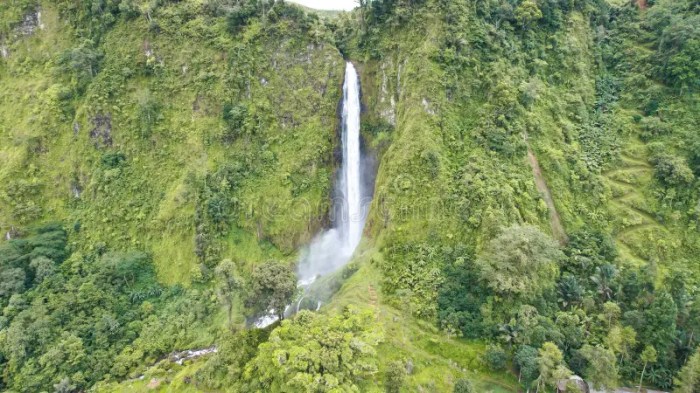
395	376
319	351
495	358
273	285
463	386
672	170
522	262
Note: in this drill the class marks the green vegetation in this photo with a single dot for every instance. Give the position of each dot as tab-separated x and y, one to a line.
316	353
273	287
535	214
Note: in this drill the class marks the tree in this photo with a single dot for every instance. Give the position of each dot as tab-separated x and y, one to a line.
611	312
43	268
395	376
672	170
572	328
527	362
659	329
127	268
235	117
688	379
648	356
64	386
603	279
229	284
621	340
601	368
273	287
527	13
11	282
569	290
148	112
317	353
521	262
679	49
495	358
463	386
226	367
552	366
82	62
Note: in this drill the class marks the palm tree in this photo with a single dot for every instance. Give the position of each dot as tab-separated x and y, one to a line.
654	375
603	279
570	291
509	332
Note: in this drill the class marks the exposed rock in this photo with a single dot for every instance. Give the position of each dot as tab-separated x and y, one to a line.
389	114
392	119
147	48
574	381
101	134
11	234
4	52
426	106
40	24
181	357
76	190
29	24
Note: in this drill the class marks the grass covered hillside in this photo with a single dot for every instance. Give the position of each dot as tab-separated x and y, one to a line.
149	126
537	178
161	138
535	211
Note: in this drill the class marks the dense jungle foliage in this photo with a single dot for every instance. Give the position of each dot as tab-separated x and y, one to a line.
535	214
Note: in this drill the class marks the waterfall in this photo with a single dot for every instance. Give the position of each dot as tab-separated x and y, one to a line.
354	222
332	249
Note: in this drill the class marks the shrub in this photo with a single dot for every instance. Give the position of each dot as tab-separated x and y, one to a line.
463	386
395	376
672	170
495	358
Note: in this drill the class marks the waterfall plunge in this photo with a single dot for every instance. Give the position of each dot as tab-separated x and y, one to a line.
332	249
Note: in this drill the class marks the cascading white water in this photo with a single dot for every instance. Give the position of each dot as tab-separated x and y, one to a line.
332	249
353	224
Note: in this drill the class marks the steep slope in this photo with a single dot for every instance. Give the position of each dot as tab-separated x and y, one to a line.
170	129
458	95
174	129
535	212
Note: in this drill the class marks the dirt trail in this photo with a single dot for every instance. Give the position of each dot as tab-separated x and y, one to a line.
625	178
629	169
374	300
372	296
541	184
627	158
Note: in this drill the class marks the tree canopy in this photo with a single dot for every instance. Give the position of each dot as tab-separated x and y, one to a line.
521	262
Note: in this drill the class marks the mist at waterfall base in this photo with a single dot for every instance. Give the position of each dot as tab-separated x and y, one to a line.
332	249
